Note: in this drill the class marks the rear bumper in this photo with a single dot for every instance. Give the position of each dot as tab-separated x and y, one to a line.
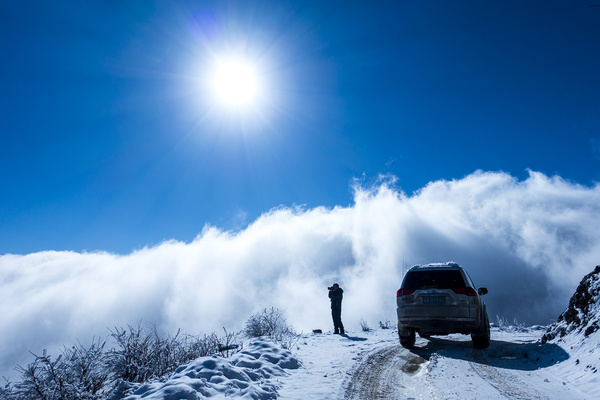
439	326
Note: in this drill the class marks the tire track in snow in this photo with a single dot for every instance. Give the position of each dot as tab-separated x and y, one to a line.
387	374
505	383
393	372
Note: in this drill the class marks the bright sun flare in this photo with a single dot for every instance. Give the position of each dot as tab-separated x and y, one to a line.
235	83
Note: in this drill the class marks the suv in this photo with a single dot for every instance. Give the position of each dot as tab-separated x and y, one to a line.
439	299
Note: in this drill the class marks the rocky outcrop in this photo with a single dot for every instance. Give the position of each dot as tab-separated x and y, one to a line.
583	313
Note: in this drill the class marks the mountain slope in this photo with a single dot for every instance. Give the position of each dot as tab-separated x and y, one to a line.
583	313
577	331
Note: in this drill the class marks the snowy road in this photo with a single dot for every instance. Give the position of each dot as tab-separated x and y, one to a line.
372	365
449	368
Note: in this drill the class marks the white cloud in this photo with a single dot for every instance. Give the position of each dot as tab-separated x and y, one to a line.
529	242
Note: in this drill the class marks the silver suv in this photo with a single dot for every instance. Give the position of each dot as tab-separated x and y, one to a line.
439	299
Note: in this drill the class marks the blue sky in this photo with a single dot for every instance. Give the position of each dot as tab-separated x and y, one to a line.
110	141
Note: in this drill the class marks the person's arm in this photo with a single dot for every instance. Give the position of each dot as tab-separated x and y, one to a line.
335	295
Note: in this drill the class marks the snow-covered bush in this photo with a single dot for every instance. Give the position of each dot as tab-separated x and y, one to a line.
144	354
93	373
503	324
78	373
364	326
385	325
270	323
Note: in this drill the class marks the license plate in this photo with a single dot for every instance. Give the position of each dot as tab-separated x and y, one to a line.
434	300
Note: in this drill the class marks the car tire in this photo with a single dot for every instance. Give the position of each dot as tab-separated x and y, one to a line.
408	341
481	338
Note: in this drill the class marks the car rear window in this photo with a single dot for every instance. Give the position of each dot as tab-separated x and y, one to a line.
444	279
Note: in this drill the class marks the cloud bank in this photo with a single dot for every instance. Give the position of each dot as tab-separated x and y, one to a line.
529	242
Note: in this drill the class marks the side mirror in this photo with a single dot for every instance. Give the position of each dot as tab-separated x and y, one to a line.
482	291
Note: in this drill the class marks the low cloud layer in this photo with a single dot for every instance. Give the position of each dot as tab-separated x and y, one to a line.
529	242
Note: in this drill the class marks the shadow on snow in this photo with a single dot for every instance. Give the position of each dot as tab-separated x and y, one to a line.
353	338
500	354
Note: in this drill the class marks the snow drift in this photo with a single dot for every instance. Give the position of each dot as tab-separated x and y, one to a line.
249	374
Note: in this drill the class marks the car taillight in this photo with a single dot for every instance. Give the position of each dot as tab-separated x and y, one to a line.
465	290
404	292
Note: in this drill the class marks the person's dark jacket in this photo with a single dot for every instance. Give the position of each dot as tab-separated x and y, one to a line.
336	296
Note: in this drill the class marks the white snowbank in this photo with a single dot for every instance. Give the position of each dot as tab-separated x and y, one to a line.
249	374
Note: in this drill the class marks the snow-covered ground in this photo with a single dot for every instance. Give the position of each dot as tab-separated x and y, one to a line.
372	365
558	362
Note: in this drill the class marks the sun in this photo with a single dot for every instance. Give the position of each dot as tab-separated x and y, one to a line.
235	82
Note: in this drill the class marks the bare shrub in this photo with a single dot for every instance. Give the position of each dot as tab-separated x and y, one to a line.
269	322
228	345
289	341
133	360
139	354
144	354
86	366
78	373
364	326
503	324
385	325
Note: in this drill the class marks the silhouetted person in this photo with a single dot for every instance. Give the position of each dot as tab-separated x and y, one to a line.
336	293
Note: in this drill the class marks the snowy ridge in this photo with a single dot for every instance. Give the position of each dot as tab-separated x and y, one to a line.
583	313
249	374
577	331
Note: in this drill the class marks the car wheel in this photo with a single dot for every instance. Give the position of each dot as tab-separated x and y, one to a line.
408	341
481	338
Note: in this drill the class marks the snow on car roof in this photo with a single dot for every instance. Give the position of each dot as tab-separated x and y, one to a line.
446	265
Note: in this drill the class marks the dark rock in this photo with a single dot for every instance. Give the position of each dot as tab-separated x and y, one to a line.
591	329
587	294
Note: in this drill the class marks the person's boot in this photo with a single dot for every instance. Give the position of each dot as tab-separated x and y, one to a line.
336	332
